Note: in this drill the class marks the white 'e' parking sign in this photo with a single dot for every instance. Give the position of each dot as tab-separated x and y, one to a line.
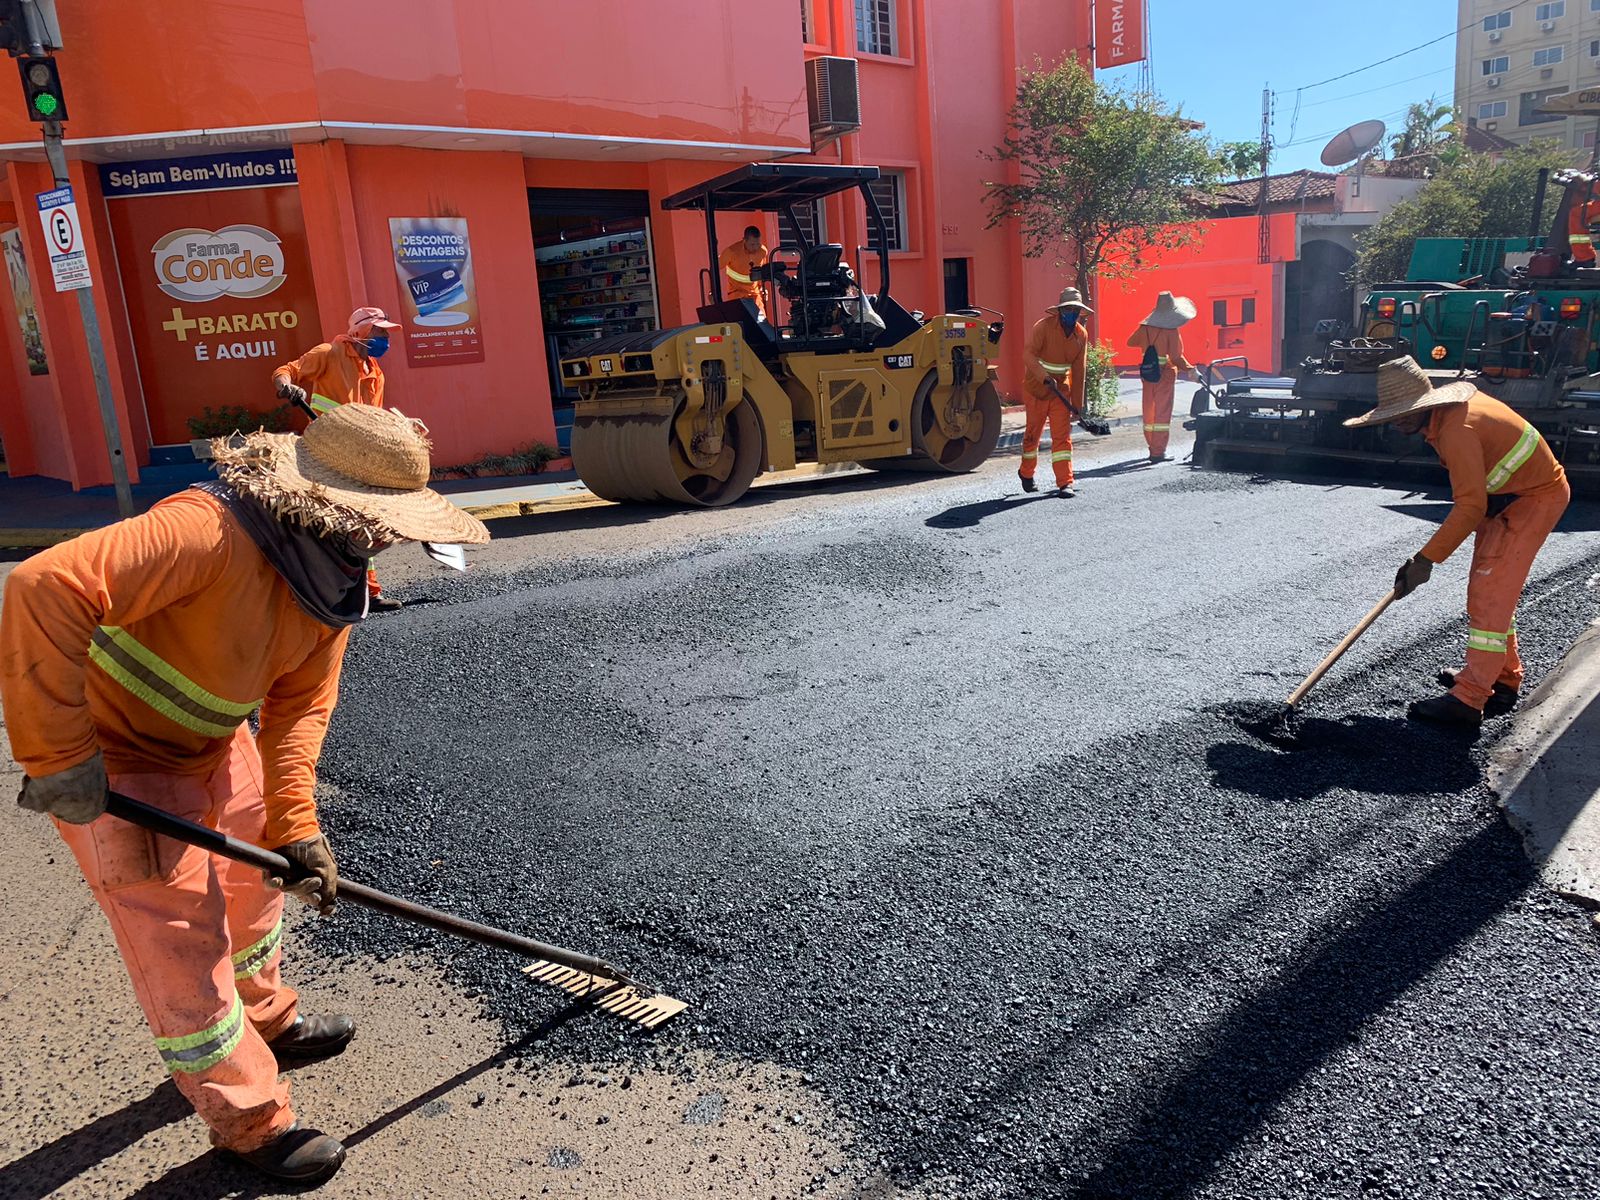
69	265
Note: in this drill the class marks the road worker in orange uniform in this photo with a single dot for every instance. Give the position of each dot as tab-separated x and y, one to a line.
1498	463
1056	354
1160	330
740	263
130	659
1581	218
343	371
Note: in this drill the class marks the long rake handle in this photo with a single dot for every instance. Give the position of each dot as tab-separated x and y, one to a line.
1299	693
136	812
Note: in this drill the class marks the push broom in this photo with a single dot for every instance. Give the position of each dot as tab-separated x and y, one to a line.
577	974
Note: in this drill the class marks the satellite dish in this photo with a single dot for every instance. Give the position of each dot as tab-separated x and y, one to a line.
1353	143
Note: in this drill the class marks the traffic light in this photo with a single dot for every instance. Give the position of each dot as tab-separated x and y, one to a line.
41	87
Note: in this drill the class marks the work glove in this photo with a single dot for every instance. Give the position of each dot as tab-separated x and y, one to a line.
318	880
1413	573
77	795
293	393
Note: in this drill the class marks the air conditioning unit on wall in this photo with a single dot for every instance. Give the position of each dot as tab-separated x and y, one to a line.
833	94
1495	35
1547	26
1494	81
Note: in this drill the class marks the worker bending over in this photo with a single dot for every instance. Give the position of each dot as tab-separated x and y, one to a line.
1498	465
740	263
1055	354
131	658
1159	332
1582	218
343	371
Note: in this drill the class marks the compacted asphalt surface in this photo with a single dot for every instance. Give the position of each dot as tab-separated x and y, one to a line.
955	801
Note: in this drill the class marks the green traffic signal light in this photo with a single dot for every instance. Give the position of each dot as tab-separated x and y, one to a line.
45	104
41	88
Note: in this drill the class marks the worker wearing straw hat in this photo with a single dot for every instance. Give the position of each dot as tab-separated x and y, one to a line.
1493	456
131	658
1159	332
1055	353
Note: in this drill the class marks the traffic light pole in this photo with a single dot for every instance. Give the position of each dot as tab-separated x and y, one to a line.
91	334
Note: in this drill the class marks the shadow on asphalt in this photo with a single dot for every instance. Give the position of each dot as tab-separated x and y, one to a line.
1385	756
216	1174
965	516
1210	1103
36	1175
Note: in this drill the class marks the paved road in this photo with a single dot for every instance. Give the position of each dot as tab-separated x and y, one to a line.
942	795
941	805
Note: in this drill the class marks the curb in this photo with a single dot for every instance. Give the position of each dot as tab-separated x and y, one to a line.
1543	772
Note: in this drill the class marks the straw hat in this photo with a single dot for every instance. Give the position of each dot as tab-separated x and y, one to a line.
1070	298
1170	312
1404	388
357	471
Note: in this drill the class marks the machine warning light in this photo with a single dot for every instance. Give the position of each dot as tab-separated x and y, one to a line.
1571	308
1386	308
41	87
1438	353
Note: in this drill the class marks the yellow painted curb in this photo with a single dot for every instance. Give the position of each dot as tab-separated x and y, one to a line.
38	539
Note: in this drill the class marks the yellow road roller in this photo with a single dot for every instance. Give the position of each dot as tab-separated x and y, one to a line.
692	415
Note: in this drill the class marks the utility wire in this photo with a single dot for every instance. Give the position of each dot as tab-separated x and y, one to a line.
1516	4
1380	88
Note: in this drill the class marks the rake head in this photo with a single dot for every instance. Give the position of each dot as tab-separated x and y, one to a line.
620	999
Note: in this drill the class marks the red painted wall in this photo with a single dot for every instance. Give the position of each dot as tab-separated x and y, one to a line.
475	408
1221	266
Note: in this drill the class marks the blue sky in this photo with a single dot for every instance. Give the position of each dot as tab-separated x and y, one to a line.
1214	59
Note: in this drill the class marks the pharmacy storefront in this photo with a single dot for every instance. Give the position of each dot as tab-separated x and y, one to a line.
212	257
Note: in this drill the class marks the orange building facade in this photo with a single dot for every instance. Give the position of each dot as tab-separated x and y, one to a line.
488	173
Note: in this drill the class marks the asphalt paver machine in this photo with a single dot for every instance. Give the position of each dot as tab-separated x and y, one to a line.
1514	315
692	415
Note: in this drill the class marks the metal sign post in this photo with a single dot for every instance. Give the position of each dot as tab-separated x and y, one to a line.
109	421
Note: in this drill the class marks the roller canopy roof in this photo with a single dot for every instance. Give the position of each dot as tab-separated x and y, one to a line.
770	187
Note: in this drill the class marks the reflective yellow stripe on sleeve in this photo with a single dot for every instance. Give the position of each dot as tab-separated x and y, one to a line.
322	404
1055	368
1579	239
736	277
162	686
1501	473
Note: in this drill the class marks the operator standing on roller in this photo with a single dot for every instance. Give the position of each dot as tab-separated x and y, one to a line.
740	262
1056	352
1493	455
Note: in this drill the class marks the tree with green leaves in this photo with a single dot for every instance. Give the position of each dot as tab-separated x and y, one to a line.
1098	177
1473	196
1242	159
1427	129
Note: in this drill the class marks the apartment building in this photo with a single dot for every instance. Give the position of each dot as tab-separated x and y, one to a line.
1510	57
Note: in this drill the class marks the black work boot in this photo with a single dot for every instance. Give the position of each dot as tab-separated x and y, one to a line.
1028	485
1501	701
313	1037
299	1156
1446	710
1066	491
382	604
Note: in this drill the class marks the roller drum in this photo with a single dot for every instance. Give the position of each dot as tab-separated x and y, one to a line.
630	453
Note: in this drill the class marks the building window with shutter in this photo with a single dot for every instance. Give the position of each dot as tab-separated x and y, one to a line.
877	27
812	223
889	190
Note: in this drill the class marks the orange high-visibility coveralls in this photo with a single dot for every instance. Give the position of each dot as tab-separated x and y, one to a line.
1158	395
337	373
1052	354
153	640
1579	217
739	267
1490	450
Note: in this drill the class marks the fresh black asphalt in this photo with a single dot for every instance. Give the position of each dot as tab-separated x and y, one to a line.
948	798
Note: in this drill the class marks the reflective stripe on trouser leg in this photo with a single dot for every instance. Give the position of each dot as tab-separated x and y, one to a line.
1503	551
1060	418
1032	431
1157	404
255	911
169	916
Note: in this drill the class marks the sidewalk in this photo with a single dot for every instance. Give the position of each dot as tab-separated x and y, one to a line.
37	512
1546	772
